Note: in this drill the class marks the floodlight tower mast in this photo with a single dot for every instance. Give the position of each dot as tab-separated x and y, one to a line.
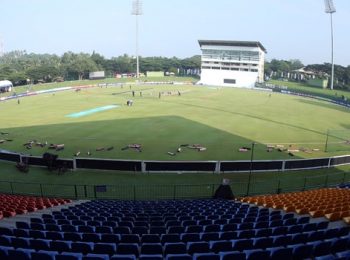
137	11
330	9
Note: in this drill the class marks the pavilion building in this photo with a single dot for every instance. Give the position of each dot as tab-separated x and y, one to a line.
232	63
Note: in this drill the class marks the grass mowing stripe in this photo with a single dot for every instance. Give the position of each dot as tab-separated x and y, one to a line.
91	111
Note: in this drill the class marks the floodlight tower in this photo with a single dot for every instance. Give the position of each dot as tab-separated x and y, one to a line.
330	9
137	11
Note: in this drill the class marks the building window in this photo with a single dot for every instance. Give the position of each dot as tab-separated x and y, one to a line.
230	81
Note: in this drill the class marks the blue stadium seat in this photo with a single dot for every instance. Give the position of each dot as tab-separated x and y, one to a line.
52	227
174	248
105	248
91	237
96	257
60	246
151	257
303	220
72	236
228	235
20	242
23	225
230	227
176	229
4	251
69	256
339	244
20	232
36	234
326	257
68	228
198	247
282	240
178	257
316	235
206	256
279	231
128	249
246	234
322	225
39	244
190	237
53	235
140	230
209	236
343	255
246	225
170	238
242	244
150	238
263	232
157	230
263	242
301	251
82	247
44	255
261	224
6	231
220	246
20	254
103	229
277	253
299	238
321	247
151	249
232	255
130	238
257	254
86	229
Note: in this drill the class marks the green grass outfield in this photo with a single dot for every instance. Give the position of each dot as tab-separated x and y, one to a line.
220	119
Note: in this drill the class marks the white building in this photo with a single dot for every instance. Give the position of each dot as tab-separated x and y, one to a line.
232	63
5	86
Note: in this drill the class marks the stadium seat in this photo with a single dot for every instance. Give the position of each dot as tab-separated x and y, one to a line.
206	256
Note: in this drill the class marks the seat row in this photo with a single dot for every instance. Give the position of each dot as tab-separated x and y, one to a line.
332	203
212	249
102	216
291	235
11	205
287	219
252	227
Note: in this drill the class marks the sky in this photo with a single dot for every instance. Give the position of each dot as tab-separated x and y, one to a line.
288	29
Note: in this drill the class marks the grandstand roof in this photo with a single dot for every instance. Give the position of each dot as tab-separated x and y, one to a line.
232	43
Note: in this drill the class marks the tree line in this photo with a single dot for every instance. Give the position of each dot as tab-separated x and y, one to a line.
21	67
278	69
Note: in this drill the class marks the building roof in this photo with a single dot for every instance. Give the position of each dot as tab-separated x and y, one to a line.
5	83
232	43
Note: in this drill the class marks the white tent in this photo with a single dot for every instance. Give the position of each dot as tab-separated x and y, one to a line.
5	85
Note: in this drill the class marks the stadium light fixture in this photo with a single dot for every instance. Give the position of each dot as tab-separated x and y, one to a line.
137	11
330	9
250	167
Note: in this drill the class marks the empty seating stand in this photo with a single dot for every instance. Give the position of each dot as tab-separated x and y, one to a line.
332	203
11	205
188	229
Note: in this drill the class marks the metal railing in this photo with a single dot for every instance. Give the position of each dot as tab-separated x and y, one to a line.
168	191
